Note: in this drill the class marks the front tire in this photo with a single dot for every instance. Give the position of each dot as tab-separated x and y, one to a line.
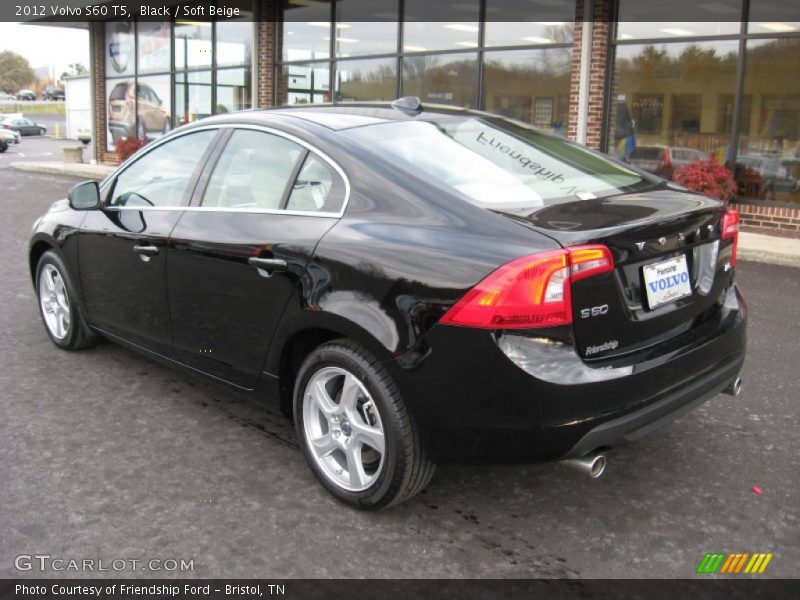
57	306
355	430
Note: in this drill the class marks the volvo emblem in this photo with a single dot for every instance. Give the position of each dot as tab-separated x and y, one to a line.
681	236
640	245
662	241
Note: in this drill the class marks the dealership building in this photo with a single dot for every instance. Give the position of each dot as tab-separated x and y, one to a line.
617	75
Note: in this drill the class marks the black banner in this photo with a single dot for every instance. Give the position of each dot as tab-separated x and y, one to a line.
393	589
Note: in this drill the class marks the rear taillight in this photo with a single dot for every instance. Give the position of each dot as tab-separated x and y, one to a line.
730	230
532	291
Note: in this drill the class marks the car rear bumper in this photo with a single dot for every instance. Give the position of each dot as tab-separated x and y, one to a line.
474	399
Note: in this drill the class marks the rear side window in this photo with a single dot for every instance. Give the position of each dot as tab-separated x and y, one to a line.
160	177
318	188
254	171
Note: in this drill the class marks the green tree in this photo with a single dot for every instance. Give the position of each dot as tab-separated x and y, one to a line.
15	71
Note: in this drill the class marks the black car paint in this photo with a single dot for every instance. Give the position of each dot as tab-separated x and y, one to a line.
404	251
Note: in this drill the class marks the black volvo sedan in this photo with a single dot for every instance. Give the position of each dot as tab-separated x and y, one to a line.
409	283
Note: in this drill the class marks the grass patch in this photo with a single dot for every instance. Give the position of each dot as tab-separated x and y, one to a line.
33	108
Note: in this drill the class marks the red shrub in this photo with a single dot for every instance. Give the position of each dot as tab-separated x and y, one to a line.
707	177
127	146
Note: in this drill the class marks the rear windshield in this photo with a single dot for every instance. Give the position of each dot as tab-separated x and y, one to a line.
498	163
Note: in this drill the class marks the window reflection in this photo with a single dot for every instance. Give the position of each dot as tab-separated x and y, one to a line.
305	84
306	30
529	85
192	44
768	160
233	90
367	79
440	26
234	43
192	96
153	47
366	27
670	98
445	79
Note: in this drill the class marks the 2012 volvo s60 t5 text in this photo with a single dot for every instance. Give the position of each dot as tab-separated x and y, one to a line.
410	283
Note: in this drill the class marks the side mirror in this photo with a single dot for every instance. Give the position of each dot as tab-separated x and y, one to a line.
84	196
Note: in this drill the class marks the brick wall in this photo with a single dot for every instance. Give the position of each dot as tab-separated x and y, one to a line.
597	73
769	218
97	46
267	30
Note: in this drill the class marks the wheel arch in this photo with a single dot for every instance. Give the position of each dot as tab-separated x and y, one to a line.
37	249
302	336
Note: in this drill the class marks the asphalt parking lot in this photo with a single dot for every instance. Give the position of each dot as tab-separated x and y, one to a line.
106	455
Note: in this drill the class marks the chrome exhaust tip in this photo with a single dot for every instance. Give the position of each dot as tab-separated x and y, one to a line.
735	387
593	465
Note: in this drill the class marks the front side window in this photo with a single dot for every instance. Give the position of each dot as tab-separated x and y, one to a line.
160	177
499	163
254	171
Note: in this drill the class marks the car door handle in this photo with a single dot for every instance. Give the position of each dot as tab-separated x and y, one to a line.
266	265
146	250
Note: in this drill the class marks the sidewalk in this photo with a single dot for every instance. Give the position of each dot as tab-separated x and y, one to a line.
56	167
752	246
769	249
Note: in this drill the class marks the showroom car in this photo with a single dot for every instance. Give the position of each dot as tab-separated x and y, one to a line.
411	284
123	100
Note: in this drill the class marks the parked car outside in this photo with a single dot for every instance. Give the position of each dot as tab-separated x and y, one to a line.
4	97
663	160
26	95
154	117
23	126
9	135
410	284
53	93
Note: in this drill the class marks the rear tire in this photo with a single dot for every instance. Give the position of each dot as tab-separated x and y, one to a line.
355	430
58	308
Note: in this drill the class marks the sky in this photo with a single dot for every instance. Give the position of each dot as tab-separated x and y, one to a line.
51	47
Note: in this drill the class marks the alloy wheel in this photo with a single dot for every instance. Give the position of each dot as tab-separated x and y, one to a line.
54	301
343	429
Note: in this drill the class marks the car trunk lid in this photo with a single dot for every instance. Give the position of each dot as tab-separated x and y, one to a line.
670	265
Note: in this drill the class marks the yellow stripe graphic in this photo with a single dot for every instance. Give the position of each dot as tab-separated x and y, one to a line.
749	567
759	560
767	558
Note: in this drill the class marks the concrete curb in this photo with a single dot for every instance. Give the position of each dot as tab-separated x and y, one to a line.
769	249
87	171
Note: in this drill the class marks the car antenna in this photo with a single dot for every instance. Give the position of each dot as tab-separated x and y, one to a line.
408	104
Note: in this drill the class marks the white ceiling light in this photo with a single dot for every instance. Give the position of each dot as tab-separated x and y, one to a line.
408	48
343	40
462	27
780	27
677	31
467	44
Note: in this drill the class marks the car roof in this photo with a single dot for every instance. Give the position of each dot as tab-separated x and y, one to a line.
343	116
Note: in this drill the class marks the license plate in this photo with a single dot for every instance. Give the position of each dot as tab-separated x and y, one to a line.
667	281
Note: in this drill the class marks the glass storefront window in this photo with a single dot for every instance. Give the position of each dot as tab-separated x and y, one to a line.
192	96
366	27
442	79
651	20
305	84
120	110
192	44
768	158
529	85
234	43
366	79
515	23
152	48
440	26
233	90
670	98
638	30
306	30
